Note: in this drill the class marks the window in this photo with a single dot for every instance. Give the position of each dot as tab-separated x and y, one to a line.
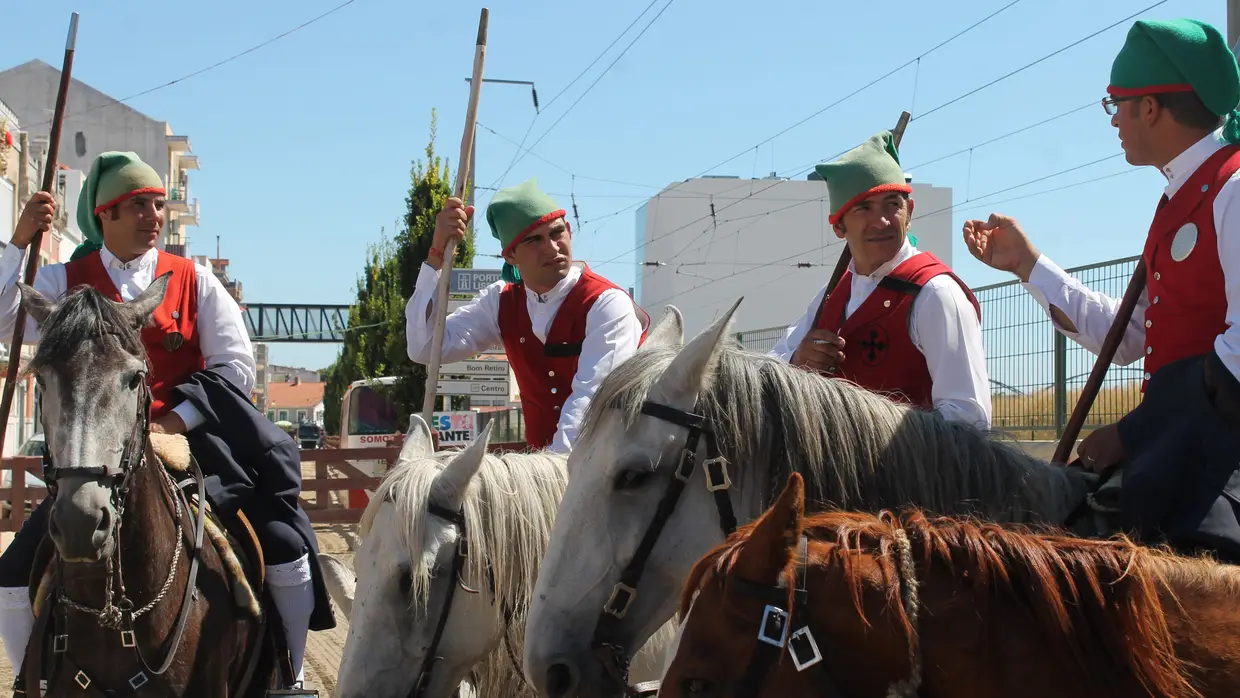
283	415
371	411
301	416
271	415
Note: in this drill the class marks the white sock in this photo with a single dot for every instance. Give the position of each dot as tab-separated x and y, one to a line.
293	594
16	622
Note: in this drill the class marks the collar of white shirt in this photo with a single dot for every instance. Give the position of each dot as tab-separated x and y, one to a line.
1186	163
906	252
560	290
111	262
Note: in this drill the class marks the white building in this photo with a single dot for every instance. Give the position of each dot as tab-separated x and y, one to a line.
760	231
96	123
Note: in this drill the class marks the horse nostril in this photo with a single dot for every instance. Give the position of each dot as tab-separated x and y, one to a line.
105	521
560	680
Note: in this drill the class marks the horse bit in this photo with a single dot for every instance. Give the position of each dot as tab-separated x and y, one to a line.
604	645
120	615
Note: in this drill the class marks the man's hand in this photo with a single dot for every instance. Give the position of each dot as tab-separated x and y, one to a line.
1000	243
36	218
1101	449
170	423
449	224
821	350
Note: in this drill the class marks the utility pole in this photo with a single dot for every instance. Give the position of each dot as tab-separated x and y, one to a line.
473	151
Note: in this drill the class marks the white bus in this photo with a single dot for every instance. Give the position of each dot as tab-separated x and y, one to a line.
368	419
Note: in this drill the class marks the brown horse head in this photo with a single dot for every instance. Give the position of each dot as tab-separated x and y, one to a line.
91	367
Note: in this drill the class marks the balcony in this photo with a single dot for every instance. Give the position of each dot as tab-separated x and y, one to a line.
189	216
178	250
178	199
178	144
188	161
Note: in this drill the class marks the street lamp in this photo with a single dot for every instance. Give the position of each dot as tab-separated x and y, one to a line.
473	150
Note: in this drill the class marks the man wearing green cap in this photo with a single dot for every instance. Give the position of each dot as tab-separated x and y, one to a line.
563	327
1173	93
900	322
201	370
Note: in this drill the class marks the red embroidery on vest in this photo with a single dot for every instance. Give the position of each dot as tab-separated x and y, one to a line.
546	382
1187	297
178	314
879	354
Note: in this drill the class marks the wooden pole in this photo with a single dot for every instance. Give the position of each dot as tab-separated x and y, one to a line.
841	265
32	253
1115	335
462	177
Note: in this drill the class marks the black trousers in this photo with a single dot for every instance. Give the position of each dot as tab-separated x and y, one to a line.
279	540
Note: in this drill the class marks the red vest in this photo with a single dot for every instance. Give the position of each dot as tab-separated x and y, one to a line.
1188	300
177	314
544	372
879	354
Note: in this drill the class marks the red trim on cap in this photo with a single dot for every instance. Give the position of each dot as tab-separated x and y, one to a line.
145	190
529	228
1151	90
880	189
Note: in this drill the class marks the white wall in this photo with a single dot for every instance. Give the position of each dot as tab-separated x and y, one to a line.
711	263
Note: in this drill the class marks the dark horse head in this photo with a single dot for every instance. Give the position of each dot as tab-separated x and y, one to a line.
91	368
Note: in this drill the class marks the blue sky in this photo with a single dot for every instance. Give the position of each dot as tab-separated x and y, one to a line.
306	143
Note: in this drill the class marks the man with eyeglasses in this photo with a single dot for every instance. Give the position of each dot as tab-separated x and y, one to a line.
1173	96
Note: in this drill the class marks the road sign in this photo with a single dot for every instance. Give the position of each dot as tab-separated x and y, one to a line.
482	387
476	369
472	281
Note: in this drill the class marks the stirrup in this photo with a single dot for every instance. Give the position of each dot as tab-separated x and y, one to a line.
299	691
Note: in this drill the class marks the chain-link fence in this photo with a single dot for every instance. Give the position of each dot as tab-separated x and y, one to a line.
1036	374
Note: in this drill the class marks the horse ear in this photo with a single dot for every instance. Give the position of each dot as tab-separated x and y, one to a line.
139	309
773	541
418	440
36	304
669	331
449	487
689	372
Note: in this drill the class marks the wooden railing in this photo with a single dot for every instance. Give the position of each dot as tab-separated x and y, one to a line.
19	498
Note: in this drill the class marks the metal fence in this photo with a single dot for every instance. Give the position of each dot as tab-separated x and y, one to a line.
1036	374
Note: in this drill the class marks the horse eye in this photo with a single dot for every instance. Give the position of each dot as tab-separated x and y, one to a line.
135	380
406	582
632	479
696	687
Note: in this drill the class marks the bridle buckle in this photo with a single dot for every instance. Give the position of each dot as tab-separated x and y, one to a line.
717	477
621	594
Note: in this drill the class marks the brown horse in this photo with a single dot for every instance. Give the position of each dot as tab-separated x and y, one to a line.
139	593
851	604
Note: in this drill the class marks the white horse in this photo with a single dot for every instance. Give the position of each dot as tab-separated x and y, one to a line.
855	449
413	575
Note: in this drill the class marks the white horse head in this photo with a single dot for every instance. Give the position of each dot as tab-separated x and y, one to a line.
854	448
404	572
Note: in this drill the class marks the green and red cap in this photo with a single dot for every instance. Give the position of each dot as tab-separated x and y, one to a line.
1180	55
870	169
515	212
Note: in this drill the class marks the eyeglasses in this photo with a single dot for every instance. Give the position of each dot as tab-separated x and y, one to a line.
1111	104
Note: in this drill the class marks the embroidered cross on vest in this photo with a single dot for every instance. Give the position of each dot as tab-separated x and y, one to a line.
879	353
171	339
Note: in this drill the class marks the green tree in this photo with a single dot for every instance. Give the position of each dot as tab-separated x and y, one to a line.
375	344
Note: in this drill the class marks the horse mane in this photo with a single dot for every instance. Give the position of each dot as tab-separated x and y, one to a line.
1096	603
856	449
83	315
509	509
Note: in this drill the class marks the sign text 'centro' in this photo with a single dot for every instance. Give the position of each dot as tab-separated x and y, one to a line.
472	280
473	387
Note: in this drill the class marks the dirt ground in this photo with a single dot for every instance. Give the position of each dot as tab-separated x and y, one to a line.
323	649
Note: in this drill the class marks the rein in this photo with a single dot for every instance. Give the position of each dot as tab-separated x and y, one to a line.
605	643
118	611
458	563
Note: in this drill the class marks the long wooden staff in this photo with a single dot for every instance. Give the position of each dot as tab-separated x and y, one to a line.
841	265
1115	335
32	253
462	177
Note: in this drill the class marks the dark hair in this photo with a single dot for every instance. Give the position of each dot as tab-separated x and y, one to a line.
1188	110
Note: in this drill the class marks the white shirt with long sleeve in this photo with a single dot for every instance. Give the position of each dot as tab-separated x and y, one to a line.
222	336
1092	313
612	335
943	326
